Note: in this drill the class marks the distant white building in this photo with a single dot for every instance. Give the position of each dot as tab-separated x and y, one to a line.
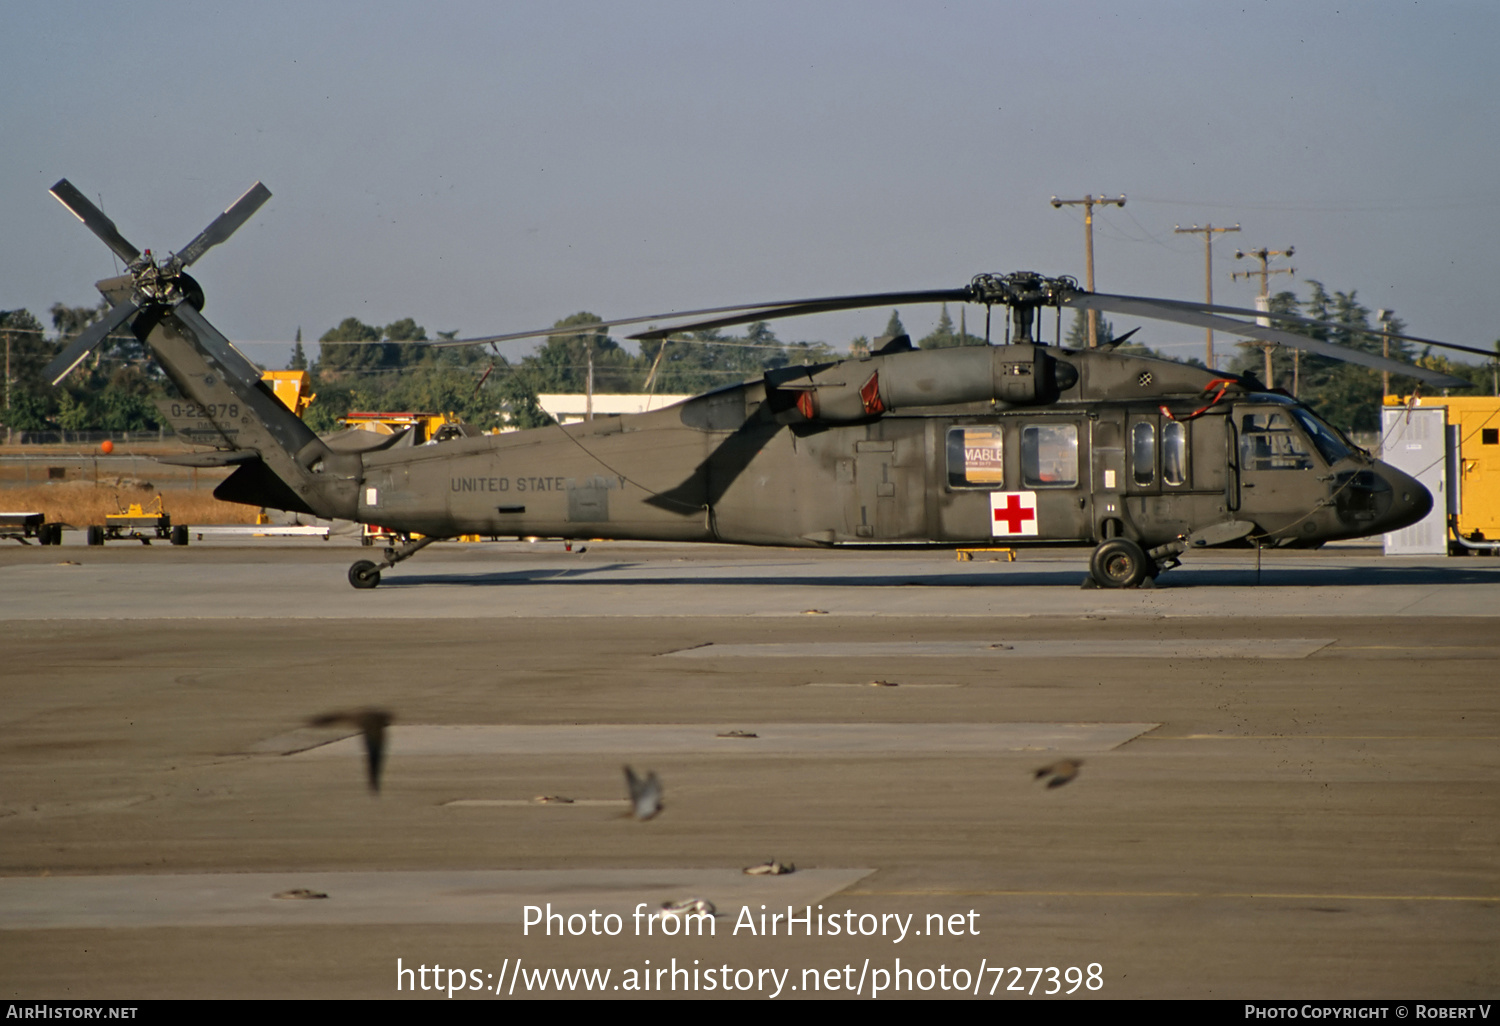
570	408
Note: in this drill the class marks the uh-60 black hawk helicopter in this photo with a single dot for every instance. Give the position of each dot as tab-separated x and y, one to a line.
1021	442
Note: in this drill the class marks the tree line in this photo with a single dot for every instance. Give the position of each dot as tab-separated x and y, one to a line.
1346	394
396	367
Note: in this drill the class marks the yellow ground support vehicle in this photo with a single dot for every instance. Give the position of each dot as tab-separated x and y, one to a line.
1474	454
426	427
140	523
290	386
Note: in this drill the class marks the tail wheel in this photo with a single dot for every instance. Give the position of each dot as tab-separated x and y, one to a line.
364	574
1119	563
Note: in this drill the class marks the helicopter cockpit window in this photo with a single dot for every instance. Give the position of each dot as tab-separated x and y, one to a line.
1143	452
1174	453
1269	442
1049	455
1324	437
975	458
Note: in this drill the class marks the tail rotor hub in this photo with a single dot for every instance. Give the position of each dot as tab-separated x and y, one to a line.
158	282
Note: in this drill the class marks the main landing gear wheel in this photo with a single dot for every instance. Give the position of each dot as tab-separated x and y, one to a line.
364	574
1120	563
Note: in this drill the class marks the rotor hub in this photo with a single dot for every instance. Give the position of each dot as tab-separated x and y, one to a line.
1024	292
1021	289
159	282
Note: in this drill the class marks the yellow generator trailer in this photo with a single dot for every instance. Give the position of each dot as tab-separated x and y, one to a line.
1473	451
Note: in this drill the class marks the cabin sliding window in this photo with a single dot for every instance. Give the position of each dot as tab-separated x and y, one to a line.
975	458
1269	442
1174	453
1143	452
1049	455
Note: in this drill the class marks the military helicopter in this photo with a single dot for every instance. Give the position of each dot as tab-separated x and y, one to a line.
1145	459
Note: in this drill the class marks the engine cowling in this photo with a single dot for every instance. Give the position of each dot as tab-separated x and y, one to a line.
853	390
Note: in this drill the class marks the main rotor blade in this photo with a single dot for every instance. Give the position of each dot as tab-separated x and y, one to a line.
814	306
1185	313
1310	322
63	364
225	224
80	207
782	308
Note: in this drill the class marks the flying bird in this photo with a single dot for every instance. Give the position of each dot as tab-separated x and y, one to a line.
645	795
369	722
1060	772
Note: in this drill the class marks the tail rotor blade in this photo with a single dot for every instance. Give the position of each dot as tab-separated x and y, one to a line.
225	225
79	205
80	347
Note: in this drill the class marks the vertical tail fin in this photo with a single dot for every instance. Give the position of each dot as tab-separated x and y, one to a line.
293	469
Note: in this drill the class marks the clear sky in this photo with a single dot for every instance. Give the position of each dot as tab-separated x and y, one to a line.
493	166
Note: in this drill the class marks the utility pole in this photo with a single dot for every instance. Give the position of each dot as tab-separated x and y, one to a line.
588	392
5	317
1088	247
1208	270
1384	317
1264	255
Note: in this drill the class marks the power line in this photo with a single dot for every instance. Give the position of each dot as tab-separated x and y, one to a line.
1308	207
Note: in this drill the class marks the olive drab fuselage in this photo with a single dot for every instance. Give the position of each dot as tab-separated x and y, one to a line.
729	466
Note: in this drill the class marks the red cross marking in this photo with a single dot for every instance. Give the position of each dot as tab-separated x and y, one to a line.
1014	514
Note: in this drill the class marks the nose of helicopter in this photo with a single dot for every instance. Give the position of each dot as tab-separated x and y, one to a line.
1410	499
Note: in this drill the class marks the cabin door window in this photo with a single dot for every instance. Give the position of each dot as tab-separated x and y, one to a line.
1174	453
976	457
1143	453
1049	455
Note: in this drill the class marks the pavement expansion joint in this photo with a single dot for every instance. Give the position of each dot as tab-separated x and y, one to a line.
772	739
392	897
